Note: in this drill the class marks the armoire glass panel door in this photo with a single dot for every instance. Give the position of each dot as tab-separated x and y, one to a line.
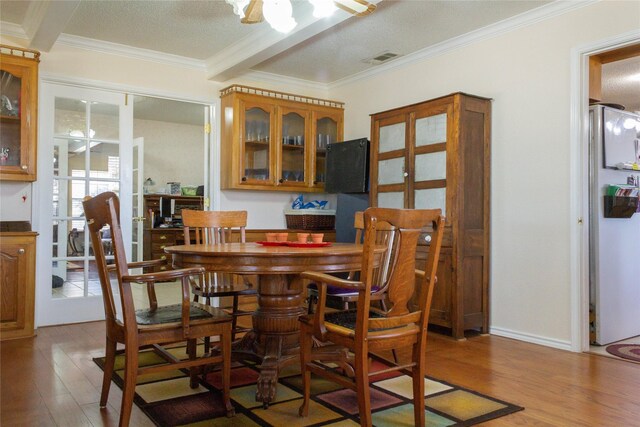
391	167
430	164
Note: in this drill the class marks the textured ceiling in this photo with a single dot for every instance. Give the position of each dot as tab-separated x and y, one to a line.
203	29
401	27
195	29
208	31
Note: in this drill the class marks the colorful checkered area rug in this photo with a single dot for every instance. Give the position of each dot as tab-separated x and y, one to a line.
169	401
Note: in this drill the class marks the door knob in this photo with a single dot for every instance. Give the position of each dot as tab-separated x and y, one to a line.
21	251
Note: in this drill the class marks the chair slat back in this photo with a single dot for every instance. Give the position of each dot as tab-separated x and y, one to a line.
100	211
384	236
213	227
408	225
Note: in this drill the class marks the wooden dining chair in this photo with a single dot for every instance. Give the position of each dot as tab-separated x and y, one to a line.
346	337
153	327
213	227
342	298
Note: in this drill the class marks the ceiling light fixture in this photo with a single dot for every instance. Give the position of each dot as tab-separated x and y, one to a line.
323	8
279	13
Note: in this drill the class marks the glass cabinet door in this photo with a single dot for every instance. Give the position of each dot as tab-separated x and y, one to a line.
10	116
293	147
326	132
18	117
256	137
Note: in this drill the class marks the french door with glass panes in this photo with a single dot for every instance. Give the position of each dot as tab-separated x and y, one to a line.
86	148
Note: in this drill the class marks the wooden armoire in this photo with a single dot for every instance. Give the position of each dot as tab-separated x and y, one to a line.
436	154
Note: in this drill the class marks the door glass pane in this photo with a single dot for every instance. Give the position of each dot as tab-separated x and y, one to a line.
293	147
10	112
84	166
104	121
256	144
56	198
70	117
136	190
391	200
391	171
68	279
70	155
56	160
75	238
432	198
391	137
97	187
431	166
431	130
105	160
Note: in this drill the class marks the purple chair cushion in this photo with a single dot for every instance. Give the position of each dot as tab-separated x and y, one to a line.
337	291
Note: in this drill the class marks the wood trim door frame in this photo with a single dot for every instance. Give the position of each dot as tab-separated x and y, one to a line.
579	180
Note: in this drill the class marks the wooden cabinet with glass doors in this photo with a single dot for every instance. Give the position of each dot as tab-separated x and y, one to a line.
276	141
436	154
18	113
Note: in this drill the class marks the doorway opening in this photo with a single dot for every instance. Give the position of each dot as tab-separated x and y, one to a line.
89	135
614	85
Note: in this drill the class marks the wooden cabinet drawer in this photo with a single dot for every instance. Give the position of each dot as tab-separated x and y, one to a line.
167	238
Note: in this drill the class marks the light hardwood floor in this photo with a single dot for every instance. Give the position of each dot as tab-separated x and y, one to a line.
51	380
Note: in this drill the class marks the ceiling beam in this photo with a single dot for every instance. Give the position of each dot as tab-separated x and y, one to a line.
266	43
45	21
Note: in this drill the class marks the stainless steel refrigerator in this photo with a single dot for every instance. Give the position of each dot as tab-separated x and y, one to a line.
614	250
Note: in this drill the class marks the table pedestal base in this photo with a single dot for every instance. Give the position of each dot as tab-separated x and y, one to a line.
274	342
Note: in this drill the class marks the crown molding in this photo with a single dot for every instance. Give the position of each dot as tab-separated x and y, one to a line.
36	12
66	80
130	52
277	79
9	29
510	24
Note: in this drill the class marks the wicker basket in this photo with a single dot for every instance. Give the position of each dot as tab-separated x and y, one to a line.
310	219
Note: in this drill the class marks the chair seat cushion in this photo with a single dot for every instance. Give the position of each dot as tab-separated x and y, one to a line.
225	290
347	319
170	314
341	292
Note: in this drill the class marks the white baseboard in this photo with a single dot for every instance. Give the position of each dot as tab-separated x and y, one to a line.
534	339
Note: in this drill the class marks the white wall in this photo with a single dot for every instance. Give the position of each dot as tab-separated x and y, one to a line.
15	201
70	64
173	152
527	73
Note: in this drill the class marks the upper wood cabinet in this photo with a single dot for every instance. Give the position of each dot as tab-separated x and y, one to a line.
276	141
436	154
18	113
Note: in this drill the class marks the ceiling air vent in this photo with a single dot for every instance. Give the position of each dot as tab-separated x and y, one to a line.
380	58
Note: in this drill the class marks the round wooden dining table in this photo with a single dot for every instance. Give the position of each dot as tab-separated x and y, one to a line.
274	341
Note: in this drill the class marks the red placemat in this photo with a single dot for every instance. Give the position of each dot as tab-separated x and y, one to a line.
307	245
272	243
